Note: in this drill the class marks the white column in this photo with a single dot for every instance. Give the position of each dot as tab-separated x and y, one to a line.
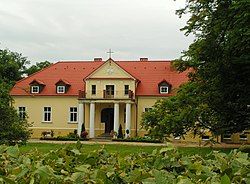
80	118
116	117
128	119
92	120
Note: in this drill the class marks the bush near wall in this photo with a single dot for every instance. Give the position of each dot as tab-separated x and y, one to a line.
63	138
72	164
138	139
72	136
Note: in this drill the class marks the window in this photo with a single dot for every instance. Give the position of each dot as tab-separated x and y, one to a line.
146	109
34	89
164	89
73	114
177	138
227	136
47	114
93	89
60	89
243	137
205	138
22	113
110	90
126	89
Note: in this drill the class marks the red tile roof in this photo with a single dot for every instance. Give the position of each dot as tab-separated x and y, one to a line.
149	73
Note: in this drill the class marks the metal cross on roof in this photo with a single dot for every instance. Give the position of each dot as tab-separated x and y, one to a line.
110	52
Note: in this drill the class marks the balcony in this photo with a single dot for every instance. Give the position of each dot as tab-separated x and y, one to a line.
104	94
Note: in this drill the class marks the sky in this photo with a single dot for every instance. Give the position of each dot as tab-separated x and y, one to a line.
57	30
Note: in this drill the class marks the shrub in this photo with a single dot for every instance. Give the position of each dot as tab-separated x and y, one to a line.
138	139
120	133
72	164
245	148
84	134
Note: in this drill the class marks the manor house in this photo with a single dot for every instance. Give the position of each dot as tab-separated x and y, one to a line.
102	95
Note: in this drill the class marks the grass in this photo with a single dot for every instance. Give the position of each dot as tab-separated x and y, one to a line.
123	150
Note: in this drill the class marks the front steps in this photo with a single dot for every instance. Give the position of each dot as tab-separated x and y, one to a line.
105	137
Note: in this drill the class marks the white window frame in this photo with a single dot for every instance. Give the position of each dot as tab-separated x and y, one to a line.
164	92
35	87
177	138
74	112
227	138
205	139
243	138
22	112
44	112
60	89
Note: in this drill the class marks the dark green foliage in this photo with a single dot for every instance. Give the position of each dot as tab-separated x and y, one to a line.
12	66
72	164
13	129
138	139
217	96
37	67
245	148
220	59
64	138
120	132
72	136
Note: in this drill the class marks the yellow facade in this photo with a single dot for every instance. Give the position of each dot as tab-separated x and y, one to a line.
60	113
109	74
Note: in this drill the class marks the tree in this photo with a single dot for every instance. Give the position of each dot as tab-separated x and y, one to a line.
217	96
12	66
13	129
37	67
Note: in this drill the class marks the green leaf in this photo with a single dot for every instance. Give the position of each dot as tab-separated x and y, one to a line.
78	177
7	180
13	151
163	150
83	168
76	151
225	179
162	177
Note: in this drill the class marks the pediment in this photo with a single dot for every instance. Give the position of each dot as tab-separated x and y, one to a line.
110	69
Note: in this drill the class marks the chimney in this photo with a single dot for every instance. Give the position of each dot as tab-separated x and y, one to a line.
97	59
143	59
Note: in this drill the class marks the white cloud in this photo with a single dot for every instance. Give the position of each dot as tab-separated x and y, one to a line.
83	29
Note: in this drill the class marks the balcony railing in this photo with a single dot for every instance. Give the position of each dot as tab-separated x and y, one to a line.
81	94
104	94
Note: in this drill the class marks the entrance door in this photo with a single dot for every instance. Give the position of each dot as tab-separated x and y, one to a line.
110	90
107	116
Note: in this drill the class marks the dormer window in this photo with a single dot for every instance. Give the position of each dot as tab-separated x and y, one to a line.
36	86
34	89
164	87
62	86
60	89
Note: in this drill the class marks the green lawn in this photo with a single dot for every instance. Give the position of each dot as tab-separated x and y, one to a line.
123	150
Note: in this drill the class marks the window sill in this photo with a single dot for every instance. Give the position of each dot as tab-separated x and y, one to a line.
49	122
72	122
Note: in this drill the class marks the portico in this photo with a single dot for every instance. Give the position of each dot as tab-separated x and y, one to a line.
96	116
